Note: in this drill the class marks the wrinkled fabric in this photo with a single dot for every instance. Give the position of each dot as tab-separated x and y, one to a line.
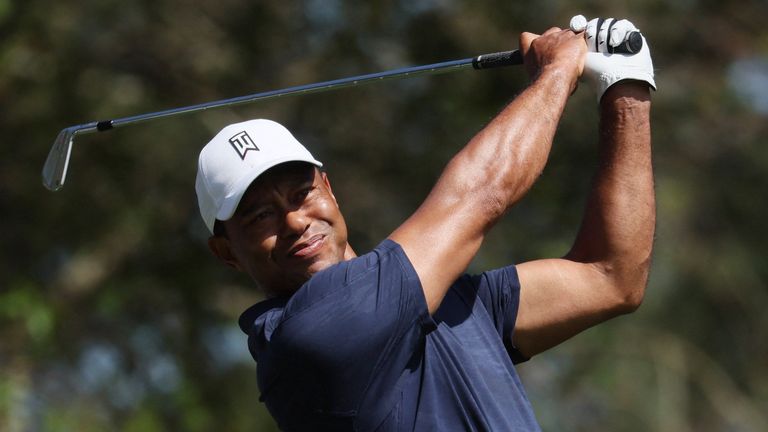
356	349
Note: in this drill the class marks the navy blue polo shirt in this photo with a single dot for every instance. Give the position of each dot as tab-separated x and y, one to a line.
356	349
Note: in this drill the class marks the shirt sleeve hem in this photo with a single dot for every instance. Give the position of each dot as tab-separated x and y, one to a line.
424	318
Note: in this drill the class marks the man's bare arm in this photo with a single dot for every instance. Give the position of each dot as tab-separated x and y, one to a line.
606	271
495	169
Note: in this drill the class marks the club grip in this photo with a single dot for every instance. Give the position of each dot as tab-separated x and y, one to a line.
499	59
632	44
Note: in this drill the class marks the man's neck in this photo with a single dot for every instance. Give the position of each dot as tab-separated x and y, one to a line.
349	253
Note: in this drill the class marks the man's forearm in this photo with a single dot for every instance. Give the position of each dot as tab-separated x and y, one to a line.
494	169
504	159
617	232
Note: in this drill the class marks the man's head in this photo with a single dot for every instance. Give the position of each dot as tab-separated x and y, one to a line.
272	213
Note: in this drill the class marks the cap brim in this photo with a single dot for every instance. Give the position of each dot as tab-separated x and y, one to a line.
231	201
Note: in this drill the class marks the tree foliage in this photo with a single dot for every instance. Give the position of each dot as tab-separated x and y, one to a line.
113	315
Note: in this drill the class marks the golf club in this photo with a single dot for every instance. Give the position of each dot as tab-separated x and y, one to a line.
55	168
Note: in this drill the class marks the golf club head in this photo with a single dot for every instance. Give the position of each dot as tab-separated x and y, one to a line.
55	169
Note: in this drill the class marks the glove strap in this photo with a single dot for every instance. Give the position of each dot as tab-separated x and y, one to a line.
610	47
600	22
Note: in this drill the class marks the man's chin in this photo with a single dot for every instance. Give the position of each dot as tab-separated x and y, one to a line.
295	280
318	266
300	272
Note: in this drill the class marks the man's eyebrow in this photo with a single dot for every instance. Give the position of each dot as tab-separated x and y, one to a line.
292	180
254	204
300	179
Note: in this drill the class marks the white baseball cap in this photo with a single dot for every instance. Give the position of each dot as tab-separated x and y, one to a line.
232	160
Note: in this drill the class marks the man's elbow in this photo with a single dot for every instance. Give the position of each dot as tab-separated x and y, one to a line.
632	300
629	286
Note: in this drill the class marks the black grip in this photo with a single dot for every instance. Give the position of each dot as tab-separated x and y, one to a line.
499	59
104	125
631	45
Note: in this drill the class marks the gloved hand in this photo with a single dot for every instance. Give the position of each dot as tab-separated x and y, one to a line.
602	67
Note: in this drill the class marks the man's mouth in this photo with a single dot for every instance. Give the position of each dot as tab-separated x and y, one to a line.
307	248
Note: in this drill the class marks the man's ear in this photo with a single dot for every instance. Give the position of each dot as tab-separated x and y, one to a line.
220	247
327	183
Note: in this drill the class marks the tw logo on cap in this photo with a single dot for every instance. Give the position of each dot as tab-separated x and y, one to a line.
242	142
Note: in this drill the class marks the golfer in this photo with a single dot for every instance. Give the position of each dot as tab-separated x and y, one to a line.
400	338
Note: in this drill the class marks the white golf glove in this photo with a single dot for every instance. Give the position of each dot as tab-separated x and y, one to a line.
603	67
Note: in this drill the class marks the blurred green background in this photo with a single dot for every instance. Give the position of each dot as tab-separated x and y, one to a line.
114	316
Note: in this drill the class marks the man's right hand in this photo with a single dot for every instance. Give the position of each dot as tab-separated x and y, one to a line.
556	51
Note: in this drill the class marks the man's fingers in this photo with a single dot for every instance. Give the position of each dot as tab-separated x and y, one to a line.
619	32
578	23
526	39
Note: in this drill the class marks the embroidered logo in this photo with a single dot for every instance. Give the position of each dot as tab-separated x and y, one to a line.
242	143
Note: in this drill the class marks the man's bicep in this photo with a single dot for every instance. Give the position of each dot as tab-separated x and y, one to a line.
559	298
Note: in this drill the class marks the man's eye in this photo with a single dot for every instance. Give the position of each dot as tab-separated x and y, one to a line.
304	192
261	215
264	214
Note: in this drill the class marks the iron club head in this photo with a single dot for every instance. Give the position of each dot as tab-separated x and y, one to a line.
55	168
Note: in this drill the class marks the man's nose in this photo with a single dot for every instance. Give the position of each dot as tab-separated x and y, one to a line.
296	222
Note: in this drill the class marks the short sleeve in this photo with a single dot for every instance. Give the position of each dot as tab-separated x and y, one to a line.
352	326
499	290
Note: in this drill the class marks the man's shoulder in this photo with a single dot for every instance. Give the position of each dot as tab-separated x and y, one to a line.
334	285
350	328
336	282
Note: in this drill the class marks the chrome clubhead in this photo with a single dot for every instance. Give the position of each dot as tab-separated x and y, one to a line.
55	169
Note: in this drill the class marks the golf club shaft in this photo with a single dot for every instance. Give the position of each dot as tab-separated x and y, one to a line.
485	61
55	169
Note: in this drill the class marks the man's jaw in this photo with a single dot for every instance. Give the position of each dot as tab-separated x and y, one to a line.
307	256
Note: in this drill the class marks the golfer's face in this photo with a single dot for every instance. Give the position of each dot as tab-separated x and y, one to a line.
288	227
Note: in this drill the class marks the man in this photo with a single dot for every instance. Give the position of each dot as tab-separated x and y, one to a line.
399	338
